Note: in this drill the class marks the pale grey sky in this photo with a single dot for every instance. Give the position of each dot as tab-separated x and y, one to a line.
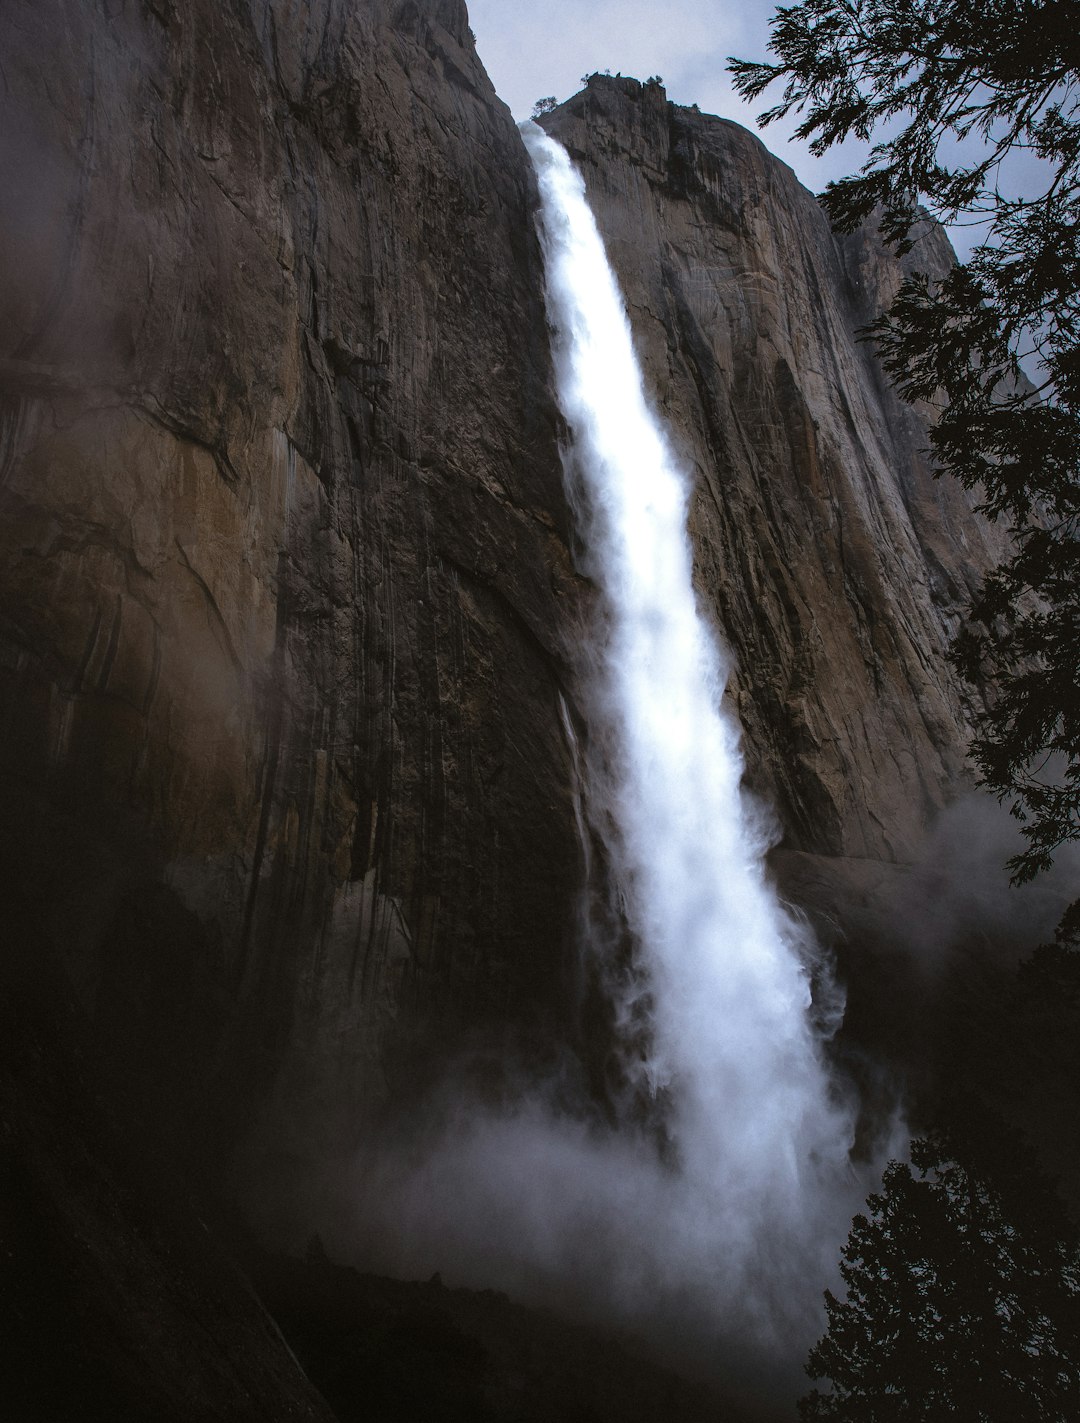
534	50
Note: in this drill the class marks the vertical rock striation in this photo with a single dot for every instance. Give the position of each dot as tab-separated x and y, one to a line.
283	560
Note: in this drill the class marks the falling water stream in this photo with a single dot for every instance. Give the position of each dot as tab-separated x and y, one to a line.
728	1232
726	968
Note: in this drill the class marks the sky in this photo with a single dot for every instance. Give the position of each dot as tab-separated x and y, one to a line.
531	51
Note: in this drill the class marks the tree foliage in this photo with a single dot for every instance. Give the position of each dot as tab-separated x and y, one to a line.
1010	1039
954	93
963	1297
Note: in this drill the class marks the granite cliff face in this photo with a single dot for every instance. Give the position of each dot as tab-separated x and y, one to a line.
288	615
283	546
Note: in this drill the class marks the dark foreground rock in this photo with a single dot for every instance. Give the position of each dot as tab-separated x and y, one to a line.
118	1302
397	1351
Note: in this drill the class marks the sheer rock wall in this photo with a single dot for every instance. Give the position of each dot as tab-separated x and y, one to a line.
283	553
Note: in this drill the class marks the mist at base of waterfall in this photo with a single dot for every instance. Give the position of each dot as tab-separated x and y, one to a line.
594	1223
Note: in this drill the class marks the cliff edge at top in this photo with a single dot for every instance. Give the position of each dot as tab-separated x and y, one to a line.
835	565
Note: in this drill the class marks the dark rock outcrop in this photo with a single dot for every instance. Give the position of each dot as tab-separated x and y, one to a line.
393	1350
117	1303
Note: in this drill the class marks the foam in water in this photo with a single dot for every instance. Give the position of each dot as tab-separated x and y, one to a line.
732	1229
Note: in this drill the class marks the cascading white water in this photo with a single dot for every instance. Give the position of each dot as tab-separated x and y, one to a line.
728	1233
730	1037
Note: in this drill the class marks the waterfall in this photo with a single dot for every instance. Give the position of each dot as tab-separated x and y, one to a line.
723	966
715	1234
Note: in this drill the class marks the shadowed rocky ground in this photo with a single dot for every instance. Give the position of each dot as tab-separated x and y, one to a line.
397	1351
